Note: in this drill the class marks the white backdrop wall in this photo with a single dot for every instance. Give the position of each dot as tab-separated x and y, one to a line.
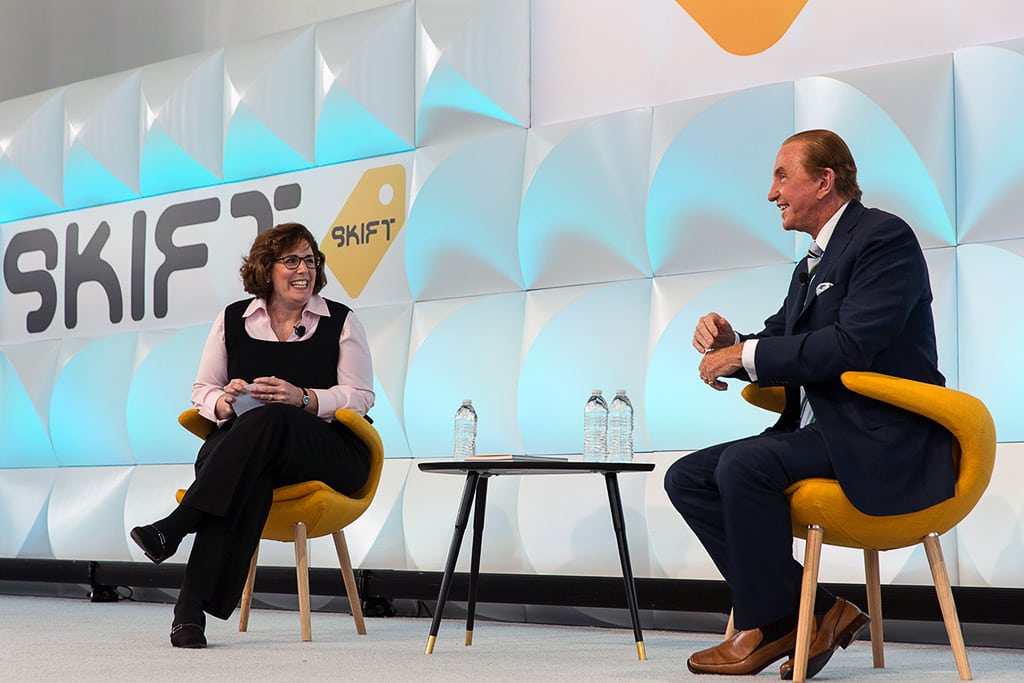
522	203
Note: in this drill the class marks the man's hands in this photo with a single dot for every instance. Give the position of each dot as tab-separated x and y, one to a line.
720	363
714	337
713	332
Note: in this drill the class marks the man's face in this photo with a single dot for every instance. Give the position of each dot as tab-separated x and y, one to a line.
795	192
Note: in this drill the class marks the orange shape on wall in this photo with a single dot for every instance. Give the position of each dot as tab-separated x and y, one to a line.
366	227
744	27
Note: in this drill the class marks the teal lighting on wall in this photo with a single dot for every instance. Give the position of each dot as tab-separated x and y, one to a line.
87	418
25	441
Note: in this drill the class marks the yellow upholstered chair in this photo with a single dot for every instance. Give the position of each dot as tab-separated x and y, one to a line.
822	513
308	510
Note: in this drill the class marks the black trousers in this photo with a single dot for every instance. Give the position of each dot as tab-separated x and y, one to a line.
731	495
237	469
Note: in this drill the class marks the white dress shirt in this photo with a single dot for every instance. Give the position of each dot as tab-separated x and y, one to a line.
824	235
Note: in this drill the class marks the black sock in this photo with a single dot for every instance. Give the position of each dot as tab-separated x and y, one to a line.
823	601
188	609
181	522
779	627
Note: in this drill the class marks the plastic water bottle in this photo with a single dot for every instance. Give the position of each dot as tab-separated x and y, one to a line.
465	430
620	428
595	428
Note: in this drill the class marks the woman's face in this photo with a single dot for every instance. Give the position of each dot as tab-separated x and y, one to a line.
294	285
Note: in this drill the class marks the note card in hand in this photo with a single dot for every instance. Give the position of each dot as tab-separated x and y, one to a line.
246	402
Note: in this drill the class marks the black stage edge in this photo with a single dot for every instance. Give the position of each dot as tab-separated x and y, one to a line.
999	606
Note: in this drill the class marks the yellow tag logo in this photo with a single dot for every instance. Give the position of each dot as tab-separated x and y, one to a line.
744	27
366	227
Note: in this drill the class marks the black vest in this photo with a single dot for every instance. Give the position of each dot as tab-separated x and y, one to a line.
311	362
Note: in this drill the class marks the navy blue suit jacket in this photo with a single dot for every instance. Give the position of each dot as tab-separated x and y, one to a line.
870	310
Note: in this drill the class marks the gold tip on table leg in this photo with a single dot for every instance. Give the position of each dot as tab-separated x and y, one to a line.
641	650
469	638
430	644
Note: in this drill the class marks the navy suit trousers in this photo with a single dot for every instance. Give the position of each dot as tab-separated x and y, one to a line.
731	496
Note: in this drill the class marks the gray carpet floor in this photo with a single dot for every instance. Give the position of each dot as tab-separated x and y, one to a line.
54	639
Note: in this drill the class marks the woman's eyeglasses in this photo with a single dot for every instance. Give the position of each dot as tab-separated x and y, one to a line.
292	262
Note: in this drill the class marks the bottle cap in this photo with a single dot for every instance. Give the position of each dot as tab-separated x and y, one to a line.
467	401
620	392
596	392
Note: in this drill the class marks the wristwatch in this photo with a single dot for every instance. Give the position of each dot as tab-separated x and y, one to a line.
305	397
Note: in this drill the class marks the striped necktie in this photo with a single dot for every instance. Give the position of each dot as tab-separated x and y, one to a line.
814	254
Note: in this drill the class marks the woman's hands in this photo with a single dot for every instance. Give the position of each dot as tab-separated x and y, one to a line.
264	389
276	390
232	390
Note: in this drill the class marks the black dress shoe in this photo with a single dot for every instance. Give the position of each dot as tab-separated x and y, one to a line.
153	543
188	636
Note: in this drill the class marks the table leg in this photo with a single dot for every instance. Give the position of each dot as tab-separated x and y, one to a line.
453	554
474	568
618	521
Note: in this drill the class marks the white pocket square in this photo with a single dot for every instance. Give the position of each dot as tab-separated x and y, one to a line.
821	288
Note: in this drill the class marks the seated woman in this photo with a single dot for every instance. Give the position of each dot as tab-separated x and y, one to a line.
296	358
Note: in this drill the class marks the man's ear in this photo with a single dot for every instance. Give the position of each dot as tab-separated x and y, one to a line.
826	182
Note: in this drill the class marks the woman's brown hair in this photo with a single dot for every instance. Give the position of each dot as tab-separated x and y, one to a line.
269	246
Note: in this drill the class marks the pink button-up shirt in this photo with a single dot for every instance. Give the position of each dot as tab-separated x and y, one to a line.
354	389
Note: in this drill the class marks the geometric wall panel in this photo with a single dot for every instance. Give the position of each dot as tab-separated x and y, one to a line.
682	412
104	116
578	339
989	279
898	120
582	210
991	538
87	420
160	388
388	331
24	497
712	167
271	91
461	238
26	440
465	348
85	514
890	170
355	116
989	141
184	103
474	67
581	542
31	155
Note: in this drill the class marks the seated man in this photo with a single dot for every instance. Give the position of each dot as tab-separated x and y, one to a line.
860	300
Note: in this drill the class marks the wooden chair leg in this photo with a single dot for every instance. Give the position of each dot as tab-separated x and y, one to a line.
808	588
243	615
873	586
945	594
730	628
351	591
302	577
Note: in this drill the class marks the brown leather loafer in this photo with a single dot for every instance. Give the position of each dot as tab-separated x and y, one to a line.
839	627
744	654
